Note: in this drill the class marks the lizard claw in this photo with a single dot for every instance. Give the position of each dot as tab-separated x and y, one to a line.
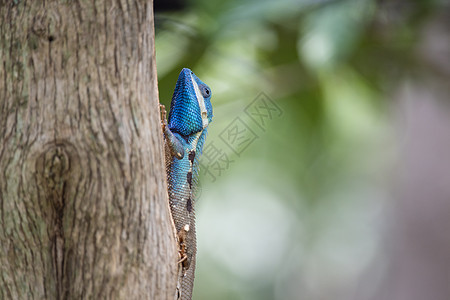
182	259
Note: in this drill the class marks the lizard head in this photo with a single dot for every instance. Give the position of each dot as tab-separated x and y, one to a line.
190	110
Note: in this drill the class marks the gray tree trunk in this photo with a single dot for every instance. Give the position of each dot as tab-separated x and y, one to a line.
83	202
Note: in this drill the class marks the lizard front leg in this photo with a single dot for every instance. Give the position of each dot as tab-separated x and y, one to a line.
172	142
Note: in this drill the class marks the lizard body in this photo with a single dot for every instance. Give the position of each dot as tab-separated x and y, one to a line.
184	135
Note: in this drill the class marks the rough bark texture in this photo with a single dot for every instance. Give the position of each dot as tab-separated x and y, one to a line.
83	201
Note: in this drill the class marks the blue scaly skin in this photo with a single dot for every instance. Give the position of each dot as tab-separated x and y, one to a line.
184	135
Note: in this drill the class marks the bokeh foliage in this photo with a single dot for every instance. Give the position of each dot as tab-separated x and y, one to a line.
297	215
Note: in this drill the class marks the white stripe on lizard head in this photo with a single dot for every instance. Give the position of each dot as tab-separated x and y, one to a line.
201	103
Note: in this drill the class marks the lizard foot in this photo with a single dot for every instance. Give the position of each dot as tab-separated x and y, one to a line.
182	244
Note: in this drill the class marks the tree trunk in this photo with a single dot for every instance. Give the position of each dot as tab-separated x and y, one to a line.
83	202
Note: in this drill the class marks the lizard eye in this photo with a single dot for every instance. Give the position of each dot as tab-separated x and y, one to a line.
206	91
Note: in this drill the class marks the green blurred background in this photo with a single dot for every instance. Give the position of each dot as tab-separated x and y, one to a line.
296	171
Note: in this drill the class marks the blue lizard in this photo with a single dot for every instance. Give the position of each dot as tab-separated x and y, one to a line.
184	135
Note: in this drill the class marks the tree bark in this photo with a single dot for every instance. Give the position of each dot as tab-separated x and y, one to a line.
83	203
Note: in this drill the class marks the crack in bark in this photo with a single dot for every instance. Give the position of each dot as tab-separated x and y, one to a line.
54	169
